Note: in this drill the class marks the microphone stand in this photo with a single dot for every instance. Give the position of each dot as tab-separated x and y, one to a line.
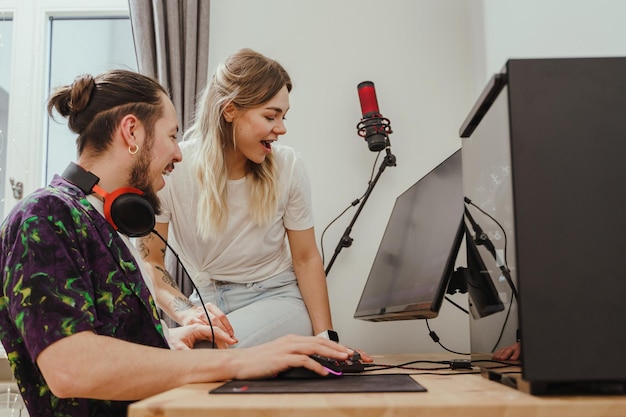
346	240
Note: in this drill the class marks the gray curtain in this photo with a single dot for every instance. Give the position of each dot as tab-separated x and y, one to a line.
172	45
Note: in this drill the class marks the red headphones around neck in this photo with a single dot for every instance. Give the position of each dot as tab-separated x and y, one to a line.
126	209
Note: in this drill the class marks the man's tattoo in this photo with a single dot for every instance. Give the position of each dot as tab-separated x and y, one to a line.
143	248
182	304
167	278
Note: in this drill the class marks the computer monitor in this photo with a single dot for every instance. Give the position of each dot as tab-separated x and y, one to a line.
417	254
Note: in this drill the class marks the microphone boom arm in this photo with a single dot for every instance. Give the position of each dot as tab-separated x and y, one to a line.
346	240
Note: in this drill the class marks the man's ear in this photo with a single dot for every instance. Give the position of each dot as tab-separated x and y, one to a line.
229	112
128	127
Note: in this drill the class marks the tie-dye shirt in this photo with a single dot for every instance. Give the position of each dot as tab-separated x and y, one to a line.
65	270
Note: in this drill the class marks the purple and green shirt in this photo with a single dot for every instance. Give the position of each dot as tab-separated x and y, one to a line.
65	270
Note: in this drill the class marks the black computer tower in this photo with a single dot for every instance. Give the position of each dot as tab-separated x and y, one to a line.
544	174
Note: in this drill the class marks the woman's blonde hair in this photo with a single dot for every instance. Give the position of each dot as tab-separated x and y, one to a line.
246	79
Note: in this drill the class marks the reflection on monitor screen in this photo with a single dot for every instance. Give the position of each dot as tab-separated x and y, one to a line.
483	295
416	256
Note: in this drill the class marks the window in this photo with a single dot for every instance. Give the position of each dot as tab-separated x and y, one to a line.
50	42
82	46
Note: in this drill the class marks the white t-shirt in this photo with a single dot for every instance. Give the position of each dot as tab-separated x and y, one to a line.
245	252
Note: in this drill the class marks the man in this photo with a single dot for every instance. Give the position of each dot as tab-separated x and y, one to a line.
77	315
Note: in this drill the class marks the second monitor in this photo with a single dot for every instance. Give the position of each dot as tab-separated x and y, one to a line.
416	256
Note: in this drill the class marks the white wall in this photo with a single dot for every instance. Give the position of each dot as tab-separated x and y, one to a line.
418	54
551	29
429	59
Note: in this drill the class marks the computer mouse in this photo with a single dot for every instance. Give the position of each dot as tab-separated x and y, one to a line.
305	373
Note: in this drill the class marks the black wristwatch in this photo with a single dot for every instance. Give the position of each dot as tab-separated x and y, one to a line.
330	335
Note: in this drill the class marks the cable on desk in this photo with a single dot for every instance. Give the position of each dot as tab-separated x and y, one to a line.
424	371
408	368
497	361
446	373
452	364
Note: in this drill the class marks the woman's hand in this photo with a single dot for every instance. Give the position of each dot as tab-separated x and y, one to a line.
218	318
509	353
186	337
364	356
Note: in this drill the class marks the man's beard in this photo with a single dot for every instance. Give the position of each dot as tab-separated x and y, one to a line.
139	179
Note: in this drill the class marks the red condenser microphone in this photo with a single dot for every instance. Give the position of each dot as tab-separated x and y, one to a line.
373	127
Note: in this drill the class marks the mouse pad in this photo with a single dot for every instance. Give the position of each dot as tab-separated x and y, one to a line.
346	383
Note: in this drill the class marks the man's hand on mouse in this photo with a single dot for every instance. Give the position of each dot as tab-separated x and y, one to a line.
292	351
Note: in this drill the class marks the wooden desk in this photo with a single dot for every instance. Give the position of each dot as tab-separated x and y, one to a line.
448	395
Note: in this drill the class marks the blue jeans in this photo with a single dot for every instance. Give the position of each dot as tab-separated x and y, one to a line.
260	311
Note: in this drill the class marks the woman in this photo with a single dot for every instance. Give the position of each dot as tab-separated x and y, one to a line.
238	212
